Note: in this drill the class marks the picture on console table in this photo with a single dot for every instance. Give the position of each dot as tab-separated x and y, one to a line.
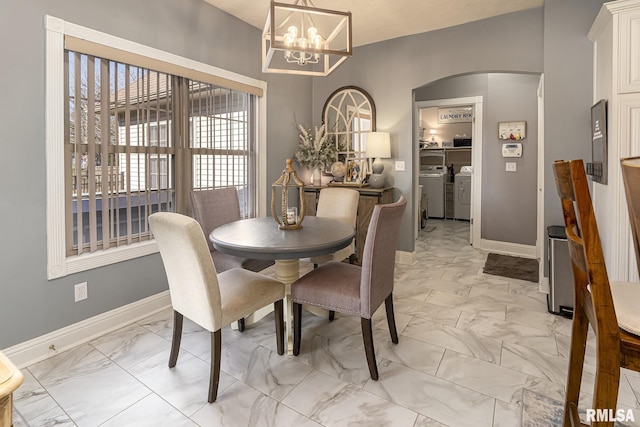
356	171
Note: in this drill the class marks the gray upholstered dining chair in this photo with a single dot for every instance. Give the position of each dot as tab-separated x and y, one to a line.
213	208
357	290
340	204
211	300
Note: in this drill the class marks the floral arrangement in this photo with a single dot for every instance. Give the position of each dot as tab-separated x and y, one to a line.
315	151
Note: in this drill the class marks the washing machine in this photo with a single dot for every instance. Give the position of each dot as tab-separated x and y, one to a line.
462	194
432	179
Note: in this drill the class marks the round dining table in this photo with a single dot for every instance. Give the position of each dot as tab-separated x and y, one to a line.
260	238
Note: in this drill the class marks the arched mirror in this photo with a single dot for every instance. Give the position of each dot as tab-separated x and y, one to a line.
349	114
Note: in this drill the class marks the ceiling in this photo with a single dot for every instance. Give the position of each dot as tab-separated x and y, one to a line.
377	20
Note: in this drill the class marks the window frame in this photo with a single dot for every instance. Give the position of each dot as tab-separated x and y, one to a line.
59	264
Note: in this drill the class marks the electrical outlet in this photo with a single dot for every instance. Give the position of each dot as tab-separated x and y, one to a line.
80	291
399	165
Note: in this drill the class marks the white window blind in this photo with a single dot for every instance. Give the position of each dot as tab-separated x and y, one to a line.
222	141
122	142
118	151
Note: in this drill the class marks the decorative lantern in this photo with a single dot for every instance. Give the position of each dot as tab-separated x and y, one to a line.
290	218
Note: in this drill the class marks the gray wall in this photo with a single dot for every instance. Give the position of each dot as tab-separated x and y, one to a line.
508	198
552	40
568	75
30	305
392	69
389	70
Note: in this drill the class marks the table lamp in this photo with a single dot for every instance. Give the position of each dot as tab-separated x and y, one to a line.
378	147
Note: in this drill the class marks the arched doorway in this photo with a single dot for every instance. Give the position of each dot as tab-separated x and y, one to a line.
506	203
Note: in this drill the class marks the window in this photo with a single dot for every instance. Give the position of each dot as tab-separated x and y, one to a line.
136	136
220	139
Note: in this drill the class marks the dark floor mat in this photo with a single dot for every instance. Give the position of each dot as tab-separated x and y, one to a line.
512	267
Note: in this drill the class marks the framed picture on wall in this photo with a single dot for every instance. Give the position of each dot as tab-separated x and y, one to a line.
514	131
598	168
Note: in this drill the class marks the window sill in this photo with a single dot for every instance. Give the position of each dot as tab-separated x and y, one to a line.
78	263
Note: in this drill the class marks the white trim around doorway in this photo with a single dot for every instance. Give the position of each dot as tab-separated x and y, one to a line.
543	284
476	156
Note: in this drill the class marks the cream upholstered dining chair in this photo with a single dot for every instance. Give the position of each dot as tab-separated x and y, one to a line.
609	307
213	208
211	300
340	204
353	289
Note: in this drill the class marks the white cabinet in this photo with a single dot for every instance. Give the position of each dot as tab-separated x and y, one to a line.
629	58
616	37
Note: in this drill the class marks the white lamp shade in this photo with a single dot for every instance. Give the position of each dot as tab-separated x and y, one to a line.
378	145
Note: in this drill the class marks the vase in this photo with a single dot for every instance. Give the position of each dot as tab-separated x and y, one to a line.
317	176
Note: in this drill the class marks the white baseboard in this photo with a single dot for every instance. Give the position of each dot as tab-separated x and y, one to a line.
506	248
45	346
406	258
543	286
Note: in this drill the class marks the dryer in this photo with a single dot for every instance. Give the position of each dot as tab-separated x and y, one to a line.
462	194
432	179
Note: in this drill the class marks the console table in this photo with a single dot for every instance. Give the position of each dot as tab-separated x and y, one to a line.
369	197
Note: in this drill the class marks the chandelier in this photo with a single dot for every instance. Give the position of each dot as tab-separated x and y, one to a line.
300	38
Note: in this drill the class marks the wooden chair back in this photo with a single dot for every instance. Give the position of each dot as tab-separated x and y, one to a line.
593	301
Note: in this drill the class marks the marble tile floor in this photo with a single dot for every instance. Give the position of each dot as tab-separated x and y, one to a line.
474	350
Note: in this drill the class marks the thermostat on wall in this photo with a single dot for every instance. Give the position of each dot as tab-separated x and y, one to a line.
512	149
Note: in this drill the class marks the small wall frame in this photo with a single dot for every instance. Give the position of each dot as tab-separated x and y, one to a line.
514	131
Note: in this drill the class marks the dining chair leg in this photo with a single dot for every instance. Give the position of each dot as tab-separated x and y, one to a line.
175	341
297	327
216	350
367	336
332	315
241	325
605	391
579	331
278	308
391	318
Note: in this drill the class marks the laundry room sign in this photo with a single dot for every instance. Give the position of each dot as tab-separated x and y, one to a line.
455	115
